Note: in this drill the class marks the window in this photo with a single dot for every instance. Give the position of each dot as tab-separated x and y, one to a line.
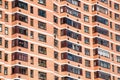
86	7
0	54
22	5
19	56
32	47
55	43
20	70
31	34
87	63
117	37
74	2
0	2
118	69
6	4
86	18
43	2
5	71
55	7
71	69
102	9
0	27
55	54
41	25
117	27
104	64
104	1
0	68
31	22
86	40
42	63
86	29
31	60
55	67
6	30
31	9
42	75
42	50
88	74
116	6
56	78
42	37
0	40
6	17
70	22
87	51
41	13
55	31
0	14
31	73
20	43
55	19
118	48
118	59
5	57
22	17
117	16
102	20
6	43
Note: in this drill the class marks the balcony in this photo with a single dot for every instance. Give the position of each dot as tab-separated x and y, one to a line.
71	46
20	43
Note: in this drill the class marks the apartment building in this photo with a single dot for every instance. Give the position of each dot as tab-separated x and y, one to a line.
59	39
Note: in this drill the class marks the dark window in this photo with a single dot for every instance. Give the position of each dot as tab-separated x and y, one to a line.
87	51
55	67
22	5
41	25
42	75
116	6
19	56
55	55
55	7
20	70
88	74
31	22
104	1
86	7
0	2
42	37
86	40
31	73
55	19
117	27
6	4
32	47
0	14
5	57
31	60
117	37
6	17
87	63
6	43
42	50
55	43
86	29
42	63
118	48
41	13
31	9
